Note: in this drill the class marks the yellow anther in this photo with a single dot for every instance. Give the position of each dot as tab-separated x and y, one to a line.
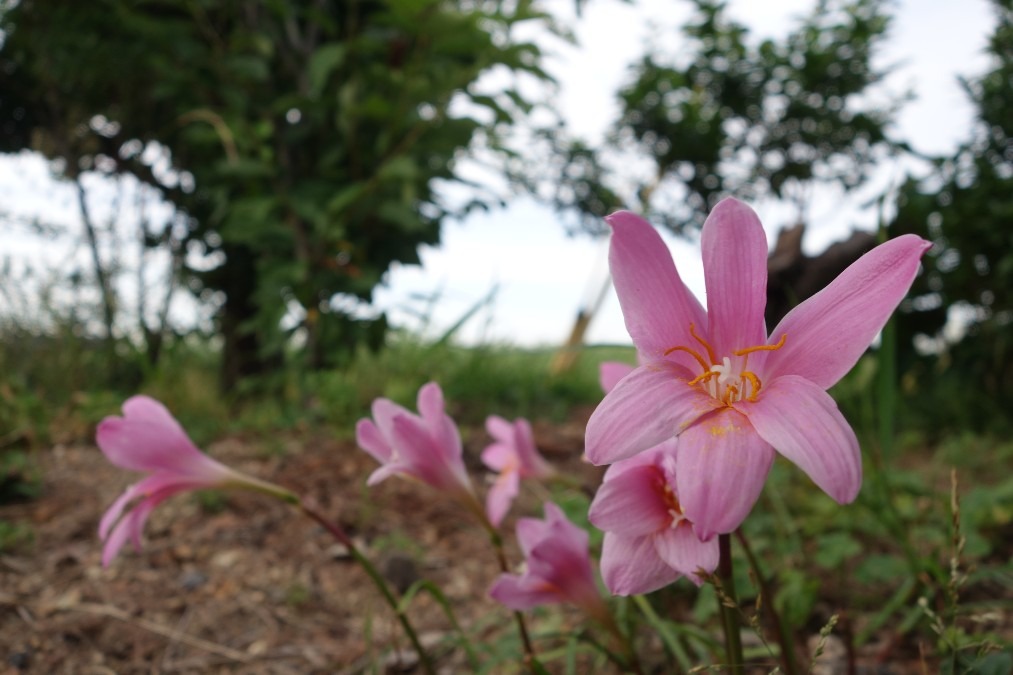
762	348
754	382
695	355
710	350
703	377
731	391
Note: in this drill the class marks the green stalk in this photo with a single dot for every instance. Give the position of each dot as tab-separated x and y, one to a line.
783	634
377	579
530	660
729	605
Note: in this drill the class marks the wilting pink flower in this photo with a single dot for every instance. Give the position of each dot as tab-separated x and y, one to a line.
714	378
427	448
649	542
514	456
147	438
558	566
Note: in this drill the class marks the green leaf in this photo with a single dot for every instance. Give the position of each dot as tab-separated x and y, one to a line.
324	61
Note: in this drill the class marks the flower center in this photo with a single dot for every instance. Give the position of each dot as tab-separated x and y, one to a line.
672	502
726	380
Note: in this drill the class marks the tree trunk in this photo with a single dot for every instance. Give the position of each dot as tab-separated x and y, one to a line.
242	348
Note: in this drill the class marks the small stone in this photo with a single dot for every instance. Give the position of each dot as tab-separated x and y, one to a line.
192	580
20	660
226	559
401	571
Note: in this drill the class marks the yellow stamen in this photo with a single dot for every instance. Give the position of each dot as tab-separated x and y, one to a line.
762	348
695	355
702	377
731	391
754	381
710	350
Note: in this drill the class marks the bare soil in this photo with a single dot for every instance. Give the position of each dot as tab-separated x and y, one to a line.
240	583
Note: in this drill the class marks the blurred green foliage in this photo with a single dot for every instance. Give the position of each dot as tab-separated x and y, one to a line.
964	208
302	142
729	115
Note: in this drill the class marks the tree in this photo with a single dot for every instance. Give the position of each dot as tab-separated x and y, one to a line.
303	140
727	115
964	208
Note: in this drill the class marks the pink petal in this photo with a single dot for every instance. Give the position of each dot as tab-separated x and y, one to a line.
610	372
532	463
650	405
499	428
131	525
115	542
735	272
147	438
145	488
632	566
139	516
499	456
657	306
721	467
149	410
385	471
501	495
113	513
520	593
683	551
369	438
801	420
430	403
444	432
384	411
562	557
631	503
660	455
530	532
432	460
830	331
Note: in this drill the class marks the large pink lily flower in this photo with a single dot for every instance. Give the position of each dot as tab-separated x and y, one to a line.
649	542
514	456
557	567
715	380
427	447
147	438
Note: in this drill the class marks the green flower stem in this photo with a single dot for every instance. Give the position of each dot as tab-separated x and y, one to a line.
624	640
378	580
788	658
530	660
729	614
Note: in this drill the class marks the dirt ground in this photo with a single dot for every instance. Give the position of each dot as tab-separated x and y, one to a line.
239	583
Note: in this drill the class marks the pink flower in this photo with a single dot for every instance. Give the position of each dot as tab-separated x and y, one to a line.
715	380
649	542
610	372
147	438
514	456
558	566
427	448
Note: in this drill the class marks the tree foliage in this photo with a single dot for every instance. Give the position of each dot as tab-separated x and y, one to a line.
304	140
730	115
964	208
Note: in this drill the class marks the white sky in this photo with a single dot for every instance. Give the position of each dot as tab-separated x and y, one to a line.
544	276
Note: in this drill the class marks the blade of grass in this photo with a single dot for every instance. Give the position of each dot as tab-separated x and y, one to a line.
665	631
434	591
